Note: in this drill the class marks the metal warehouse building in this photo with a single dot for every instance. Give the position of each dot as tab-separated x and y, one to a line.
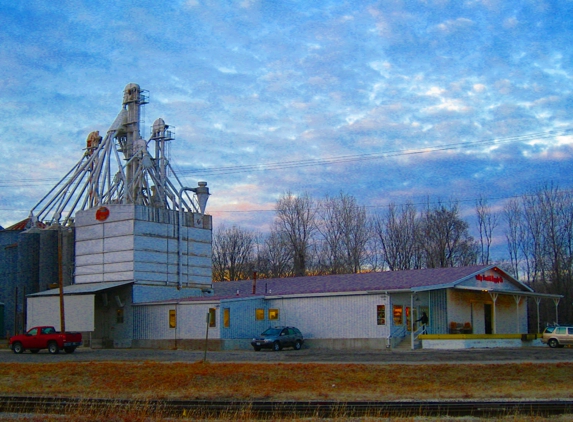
467	307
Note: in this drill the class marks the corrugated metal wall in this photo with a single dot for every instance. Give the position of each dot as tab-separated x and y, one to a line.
334	317
142	244
243	324
151	322
438	312
79	312
29	264
9	278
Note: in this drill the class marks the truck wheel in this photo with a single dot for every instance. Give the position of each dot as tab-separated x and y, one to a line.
17	347
53	348
70	349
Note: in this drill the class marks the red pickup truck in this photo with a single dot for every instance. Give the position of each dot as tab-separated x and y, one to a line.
45	338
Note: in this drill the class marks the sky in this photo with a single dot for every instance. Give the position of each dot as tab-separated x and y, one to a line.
387	101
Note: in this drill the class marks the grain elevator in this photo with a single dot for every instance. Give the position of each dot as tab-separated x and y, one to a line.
139	234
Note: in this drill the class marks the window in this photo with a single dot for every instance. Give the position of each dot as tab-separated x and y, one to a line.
560	330
259	314
172	318
226	317
381	314
33	332
273	314
212	317
398	313
119	316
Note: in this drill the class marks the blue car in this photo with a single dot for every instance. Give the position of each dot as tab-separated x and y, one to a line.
278	337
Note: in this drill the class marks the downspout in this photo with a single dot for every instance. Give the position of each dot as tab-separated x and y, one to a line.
180	241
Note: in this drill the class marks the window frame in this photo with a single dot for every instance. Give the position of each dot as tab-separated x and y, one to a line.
259	312
119	316
271	313
381	314
212	317
398	314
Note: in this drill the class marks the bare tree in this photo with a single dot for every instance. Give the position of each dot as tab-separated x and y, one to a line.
344	227
487	222
296	221
514	235
274	259
232	254
398	233
540	243
446	241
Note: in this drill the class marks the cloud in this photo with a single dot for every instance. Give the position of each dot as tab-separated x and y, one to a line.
259	83
452	26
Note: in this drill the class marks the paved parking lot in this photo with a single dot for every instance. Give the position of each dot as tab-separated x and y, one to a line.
83	354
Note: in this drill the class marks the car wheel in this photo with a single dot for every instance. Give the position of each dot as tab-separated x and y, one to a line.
277	346
17	348
53	348
257	348
553	343
34	350
297	345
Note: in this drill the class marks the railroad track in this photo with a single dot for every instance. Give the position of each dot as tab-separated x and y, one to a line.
266	409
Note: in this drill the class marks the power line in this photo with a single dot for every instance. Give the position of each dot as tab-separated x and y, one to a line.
432	202
331	160
370	156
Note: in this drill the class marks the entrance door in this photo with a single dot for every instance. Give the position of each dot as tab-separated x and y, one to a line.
487	313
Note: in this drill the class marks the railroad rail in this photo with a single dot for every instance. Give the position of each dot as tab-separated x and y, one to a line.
266	409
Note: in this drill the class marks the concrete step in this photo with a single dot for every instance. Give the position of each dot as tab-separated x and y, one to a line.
406	344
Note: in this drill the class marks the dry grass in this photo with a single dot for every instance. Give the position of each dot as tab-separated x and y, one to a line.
340	382
147	380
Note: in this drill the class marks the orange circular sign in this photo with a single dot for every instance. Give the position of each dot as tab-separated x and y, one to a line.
102	214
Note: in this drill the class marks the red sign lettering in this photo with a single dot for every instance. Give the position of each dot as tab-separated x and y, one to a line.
491	278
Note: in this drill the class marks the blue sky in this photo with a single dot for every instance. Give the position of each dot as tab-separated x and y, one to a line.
390	101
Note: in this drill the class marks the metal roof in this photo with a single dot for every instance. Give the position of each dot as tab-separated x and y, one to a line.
346	283
25	224
82	289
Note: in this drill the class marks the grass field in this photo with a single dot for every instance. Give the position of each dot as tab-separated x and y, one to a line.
338	382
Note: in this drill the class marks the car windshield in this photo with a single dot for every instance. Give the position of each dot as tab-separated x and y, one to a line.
271	332
549	330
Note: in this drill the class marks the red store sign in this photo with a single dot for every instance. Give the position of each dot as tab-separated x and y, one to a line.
491	278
